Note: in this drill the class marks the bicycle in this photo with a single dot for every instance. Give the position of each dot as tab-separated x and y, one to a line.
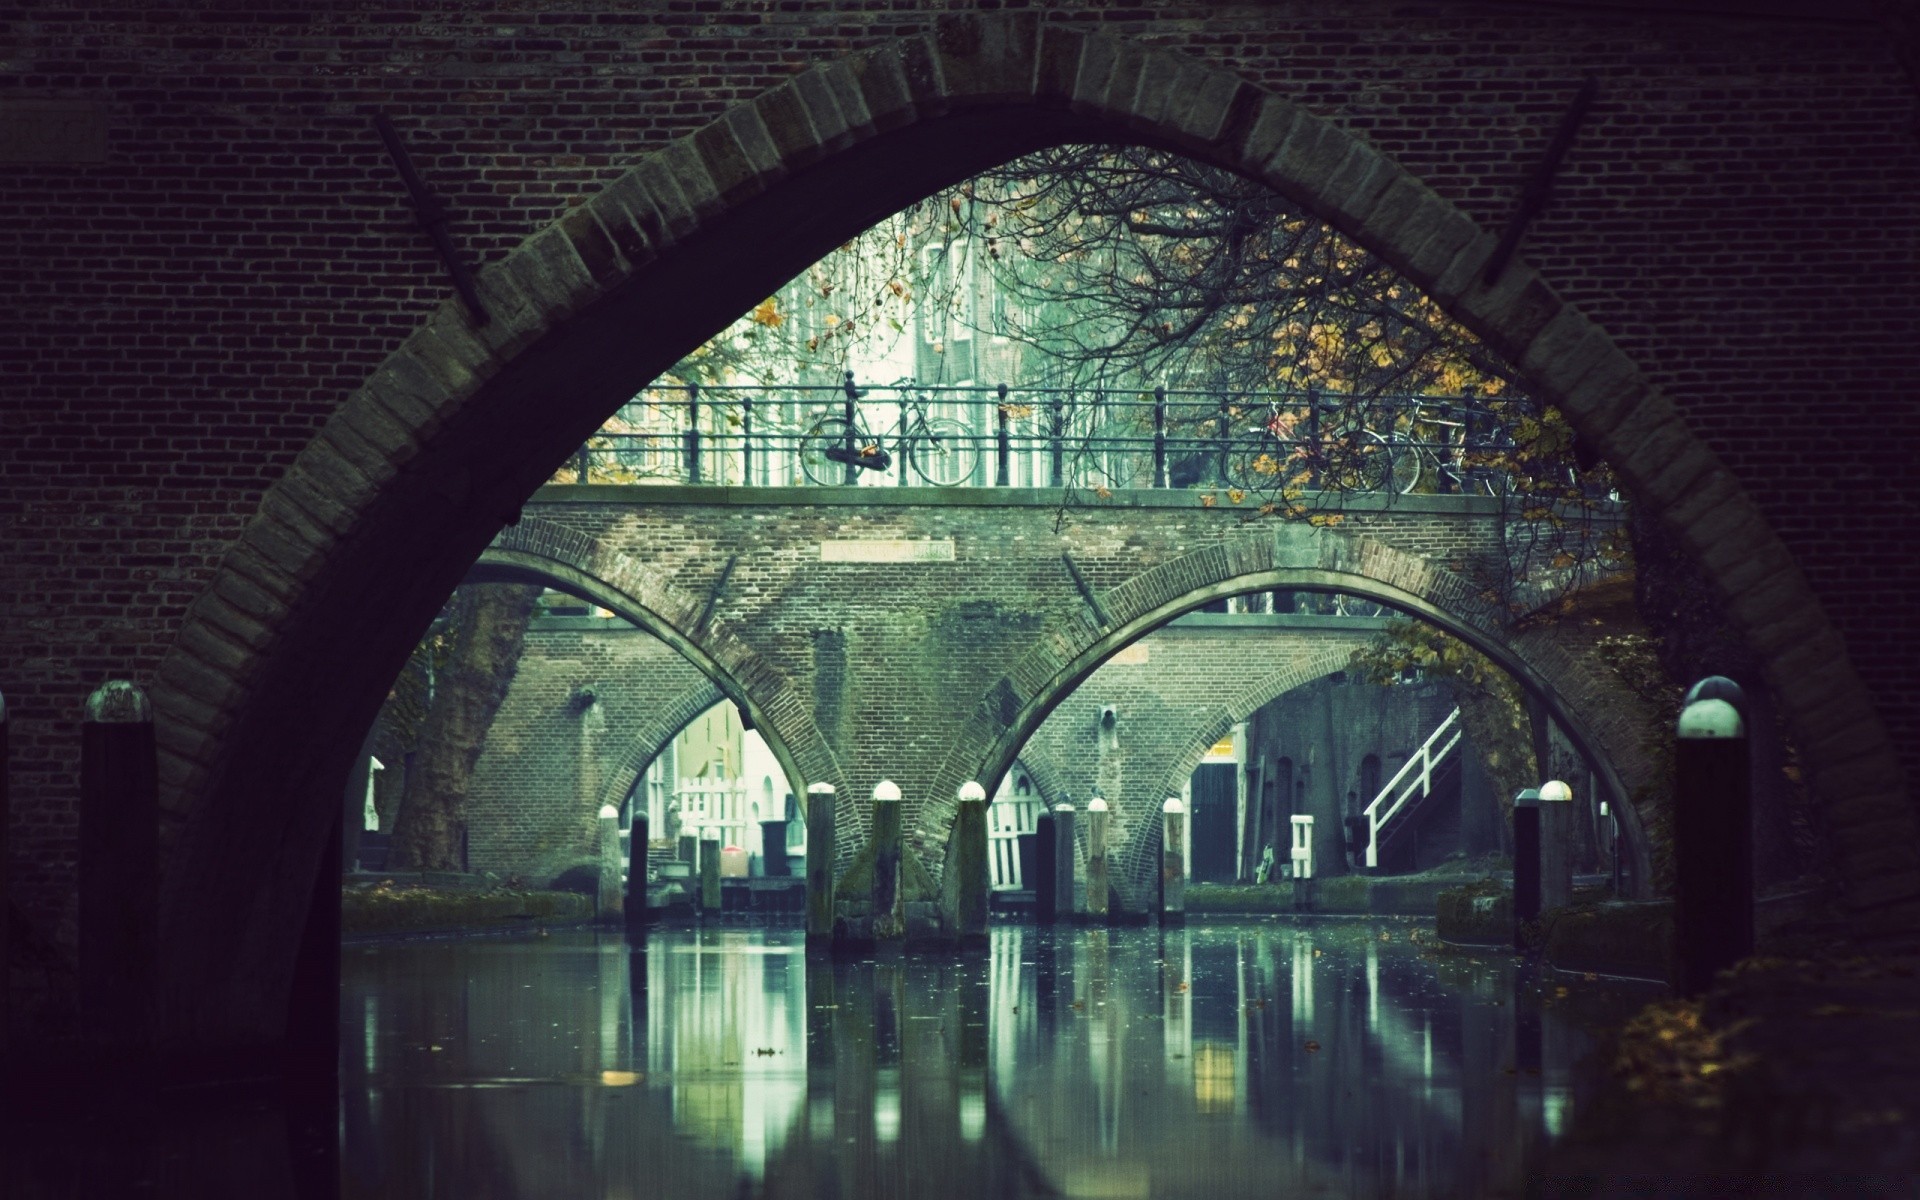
834	449
1453	453
1347	457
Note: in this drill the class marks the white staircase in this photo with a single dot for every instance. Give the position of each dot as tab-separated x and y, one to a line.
1410	783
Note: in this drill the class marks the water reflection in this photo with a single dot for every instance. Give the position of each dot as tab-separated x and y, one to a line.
1245	1060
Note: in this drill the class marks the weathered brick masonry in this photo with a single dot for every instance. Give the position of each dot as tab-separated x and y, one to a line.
935	669
206	270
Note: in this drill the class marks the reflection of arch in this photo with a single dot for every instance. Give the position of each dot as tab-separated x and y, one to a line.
555	556
1300	558
461	423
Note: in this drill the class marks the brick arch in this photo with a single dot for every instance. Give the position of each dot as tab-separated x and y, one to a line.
439	448
1135	834
1297	557
563	558
653	737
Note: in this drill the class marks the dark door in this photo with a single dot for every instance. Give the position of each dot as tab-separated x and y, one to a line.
1212	827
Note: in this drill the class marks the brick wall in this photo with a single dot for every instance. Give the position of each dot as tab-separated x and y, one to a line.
222	253
550	763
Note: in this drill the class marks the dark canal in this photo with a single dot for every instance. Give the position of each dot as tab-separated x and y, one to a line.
1239	1060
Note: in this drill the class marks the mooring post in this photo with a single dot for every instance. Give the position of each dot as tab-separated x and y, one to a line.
1097	818
1173	862
1526	863
119	867
1556	845
1045	862
609	895
710	871
970	861
639	916
820	798
889	898
1712	834
1066	854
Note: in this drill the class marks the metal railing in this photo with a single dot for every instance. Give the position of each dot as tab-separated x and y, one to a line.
1411	782
1004	436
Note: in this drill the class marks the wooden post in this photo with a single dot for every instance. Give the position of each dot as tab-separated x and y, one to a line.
1712	839
970	861
1097	818
1173	862
639	916
1065	854
607	900
820	798
1046	862
119	867
710	872
1556	845
889	899
1526	863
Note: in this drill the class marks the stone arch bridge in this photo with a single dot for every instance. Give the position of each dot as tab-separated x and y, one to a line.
924	636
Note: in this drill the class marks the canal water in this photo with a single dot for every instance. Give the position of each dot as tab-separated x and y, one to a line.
1313	1058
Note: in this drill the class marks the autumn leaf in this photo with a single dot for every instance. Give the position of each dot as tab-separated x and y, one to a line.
767	313
1206	501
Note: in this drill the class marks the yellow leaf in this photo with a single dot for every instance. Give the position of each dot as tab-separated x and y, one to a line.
1206	501
767	313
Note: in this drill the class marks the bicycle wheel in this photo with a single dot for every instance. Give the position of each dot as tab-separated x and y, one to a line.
1355	606
943	452
1257	462
828	433
1365	463
1406	465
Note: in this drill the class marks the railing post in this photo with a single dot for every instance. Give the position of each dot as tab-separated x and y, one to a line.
746	438
1160	437
1097	818
693	433
1313	438
1712	833
1223	435
1173	862
1056	429
852	415
582	463
970	861
889	899
900	467
820	797
1004	448
119	867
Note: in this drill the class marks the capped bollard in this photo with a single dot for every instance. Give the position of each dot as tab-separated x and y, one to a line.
608	898
1173	862
889	896
1046	863
1526	862
1097	820
119	867
1556	845
974	881
638	914
710	897
1712	836
820	800
1065	854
